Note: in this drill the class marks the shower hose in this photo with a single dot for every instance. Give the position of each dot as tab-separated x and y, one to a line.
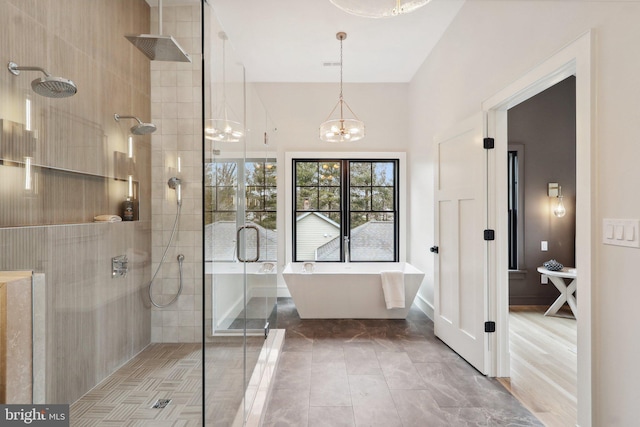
180	259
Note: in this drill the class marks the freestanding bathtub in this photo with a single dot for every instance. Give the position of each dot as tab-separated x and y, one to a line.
347	290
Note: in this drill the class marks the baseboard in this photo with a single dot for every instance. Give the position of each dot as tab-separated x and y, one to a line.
531	300
425	306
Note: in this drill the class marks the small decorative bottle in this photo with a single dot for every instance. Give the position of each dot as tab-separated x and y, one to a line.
127	210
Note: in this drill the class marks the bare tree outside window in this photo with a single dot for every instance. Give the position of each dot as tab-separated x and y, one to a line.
353	198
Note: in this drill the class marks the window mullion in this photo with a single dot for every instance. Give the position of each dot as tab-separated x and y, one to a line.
345	207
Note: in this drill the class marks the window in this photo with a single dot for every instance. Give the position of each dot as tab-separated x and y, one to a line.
336	198
223	216
515	202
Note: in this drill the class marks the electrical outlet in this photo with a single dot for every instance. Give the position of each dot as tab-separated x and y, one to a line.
544	279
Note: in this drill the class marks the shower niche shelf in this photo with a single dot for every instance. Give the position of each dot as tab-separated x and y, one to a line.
35	194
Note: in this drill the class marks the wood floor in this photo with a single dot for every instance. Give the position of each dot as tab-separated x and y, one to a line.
543	363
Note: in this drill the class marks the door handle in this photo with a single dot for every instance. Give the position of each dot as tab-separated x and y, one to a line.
433	249
257	230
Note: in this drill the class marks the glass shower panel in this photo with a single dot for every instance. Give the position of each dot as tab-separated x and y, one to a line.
227	362
260	171
225	147
261	193
240	233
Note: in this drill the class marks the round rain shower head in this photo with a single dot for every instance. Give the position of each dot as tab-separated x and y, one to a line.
143	128
139	129
49	86
54	87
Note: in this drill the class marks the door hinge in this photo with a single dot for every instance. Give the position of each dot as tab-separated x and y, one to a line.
489	326
489	235
488	143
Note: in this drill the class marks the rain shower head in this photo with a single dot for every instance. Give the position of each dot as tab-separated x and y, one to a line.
139	129
159	48
49	86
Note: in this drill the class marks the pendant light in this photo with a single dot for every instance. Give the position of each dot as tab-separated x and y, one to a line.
221	128
341	130
379	8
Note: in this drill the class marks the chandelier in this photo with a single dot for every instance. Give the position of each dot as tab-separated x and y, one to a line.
221	128
341	130
379	8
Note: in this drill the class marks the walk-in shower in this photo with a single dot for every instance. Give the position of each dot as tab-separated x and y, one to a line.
49	86
175	184
141	128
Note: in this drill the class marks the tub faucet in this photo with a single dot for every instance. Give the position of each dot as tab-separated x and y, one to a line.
346	249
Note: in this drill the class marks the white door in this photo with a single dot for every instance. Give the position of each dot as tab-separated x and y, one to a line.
460	218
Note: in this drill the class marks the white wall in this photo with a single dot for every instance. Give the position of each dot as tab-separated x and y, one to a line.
489	45
297	109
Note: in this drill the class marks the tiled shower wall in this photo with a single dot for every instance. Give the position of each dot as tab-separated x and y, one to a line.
176	107
94	323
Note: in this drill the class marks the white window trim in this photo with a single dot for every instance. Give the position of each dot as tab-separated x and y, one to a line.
402	188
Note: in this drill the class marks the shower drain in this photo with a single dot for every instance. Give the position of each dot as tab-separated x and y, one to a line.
161	403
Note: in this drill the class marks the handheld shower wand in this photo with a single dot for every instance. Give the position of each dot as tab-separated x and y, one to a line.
176	184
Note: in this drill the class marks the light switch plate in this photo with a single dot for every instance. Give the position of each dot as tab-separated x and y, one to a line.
621	232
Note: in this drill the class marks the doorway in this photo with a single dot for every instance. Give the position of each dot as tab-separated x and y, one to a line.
574	59
542	156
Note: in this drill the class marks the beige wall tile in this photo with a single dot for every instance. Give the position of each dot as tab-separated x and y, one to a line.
94	322
175	101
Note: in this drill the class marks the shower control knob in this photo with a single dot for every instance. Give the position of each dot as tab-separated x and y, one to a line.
433	249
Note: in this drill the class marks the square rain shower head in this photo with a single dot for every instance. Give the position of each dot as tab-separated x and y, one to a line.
159	48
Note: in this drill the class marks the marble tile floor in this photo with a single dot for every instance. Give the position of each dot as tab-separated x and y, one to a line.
380	373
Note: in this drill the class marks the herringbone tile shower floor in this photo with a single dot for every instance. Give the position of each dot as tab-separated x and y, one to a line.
172	371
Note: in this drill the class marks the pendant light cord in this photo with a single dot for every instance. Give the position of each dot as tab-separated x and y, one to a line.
341	113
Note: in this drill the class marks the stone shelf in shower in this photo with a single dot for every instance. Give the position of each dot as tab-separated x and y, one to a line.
23	164
57	196
18	144
37	194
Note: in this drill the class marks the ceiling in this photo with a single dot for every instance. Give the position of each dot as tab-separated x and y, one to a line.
290	40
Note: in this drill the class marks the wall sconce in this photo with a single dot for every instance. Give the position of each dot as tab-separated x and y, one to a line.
555	190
